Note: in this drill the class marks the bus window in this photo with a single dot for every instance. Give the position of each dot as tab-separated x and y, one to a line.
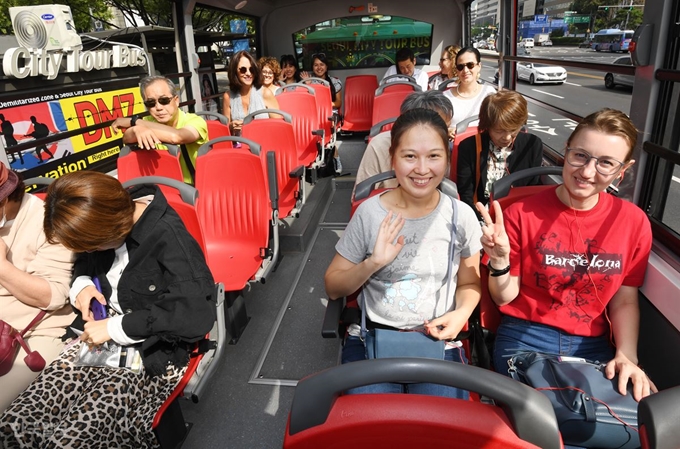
368	41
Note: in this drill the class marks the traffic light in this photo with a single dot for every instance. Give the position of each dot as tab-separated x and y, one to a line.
606	8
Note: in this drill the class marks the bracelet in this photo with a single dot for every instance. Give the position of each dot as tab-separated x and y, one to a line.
495	273
133	120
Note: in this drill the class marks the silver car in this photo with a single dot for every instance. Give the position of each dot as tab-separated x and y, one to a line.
541	73
611	80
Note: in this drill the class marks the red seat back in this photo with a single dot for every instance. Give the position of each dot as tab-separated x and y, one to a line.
388	105
234	210
301	105
219	127
463	131
358	102
136	163
321	416
324	104
385	125
277	135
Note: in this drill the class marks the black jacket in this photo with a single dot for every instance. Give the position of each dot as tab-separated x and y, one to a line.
527	152
166	289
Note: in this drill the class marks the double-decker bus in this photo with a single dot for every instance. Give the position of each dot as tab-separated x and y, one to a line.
613	40
247	401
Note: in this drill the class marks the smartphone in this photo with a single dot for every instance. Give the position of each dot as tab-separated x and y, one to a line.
98	310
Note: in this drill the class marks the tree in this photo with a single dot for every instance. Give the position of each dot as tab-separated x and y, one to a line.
79	8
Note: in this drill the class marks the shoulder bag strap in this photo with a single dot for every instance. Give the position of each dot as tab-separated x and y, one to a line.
35	320
452	248
478	167
189	164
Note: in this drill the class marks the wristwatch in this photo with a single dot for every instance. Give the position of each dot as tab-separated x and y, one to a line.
495	272
133	120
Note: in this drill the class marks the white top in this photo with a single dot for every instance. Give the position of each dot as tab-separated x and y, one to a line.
468	107
418	74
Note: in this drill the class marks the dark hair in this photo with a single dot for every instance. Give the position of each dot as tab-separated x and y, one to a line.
404	54
291	61
468	49
610	121
434	100
322	57
234	82
506	110
149	80
86	210
415	117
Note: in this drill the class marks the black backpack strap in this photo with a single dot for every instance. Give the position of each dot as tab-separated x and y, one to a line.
189	164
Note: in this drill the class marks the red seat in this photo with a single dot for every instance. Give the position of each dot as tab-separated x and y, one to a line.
385	125
324	103
387	104
358	102
277	136
216	128
234	211
301	104
135	163
463	131
322	417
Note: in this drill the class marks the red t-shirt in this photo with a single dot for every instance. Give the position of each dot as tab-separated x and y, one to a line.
571	263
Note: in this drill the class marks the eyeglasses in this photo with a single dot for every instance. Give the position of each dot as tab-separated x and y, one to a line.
267	73
164	101
604	165
243	70
469	65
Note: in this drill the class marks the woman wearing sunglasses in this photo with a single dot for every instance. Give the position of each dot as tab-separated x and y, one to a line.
446	64
467	95
270	69
565	264
320	70
245	95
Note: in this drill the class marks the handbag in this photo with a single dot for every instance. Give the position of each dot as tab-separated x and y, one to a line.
385	343
11	339
589	409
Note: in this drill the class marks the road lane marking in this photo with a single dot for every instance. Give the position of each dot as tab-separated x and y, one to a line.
676	179
585	75
572	84
547	93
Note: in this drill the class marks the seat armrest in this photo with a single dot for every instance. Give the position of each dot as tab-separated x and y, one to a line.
331	319
297	172
318	132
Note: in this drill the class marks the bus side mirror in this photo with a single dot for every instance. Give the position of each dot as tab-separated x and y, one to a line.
641	44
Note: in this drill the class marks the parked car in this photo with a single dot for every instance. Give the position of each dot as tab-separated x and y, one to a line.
611	80
586	44
482	45
547	43
541	73
527	42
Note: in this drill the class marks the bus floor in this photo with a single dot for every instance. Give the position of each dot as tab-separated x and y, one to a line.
247	402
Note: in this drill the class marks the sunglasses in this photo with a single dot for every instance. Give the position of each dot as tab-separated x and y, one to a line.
469	65
243	70
319	56
164	101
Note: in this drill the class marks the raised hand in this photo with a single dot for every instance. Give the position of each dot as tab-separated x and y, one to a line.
389	243
494	239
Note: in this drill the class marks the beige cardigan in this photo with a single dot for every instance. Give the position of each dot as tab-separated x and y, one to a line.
29	251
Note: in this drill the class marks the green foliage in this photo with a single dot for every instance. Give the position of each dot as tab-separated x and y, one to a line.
79	8
557	32
610	17
566	41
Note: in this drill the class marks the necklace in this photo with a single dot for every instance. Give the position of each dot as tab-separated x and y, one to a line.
466	96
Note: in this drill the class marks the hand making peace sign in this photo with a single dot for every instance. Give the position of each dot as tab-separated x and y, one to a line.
494	239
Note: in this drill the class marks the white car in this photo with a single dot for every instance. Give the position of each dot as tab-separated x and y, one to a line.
547	43
541	73
527	42
613	79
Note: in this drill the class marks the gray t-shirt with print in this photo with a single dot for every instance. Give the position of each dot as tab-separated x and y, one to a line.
411	289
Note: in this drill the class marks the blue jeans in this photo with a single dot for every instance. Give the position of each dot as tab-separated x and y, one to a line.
516	335
355	350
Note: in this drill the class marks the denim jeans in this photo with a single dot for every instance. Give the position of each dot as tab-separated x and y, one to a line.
515	335
355	350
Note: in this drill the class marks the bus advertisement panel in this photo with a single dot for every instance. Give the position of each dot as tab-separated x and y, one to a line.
613	40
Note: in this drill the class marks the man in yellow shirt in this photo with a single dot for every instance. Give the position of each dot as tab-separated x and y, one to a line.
166	124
